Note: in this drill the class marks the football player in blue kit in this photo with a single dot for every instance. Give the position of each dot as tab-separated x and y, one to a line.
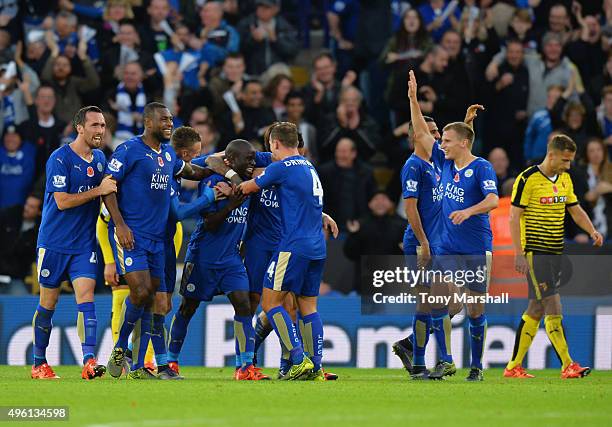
67	241
213	264
298	261
469	194
143	166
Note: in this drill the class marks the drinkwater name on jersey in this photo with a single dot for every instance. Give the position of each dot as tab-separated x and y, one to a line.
238	215
454	192
297	162
268	198
159	181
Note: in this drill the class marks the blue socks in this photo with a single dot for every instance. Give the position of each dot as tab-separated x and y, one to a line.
178	330
478	333
441	324
131	314
158	339
313	331
287	334
420	336
42	325
245	340
87	328
140	339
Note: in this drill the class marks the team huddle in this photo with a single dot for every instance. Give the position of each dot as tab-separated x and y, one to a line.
259	240
284	244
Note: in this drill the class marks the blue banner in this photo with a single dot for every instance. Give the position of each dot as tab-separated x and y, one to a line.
351	339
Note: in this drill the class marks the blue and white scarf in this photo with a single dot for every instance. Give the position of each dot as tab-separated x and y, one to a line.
126	127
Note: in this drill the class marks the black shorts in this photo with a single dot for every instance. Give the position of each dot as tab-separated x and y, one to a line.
544	275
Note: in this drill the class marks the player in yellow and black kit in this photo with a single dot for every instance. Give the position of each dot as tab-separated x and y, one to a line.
540	197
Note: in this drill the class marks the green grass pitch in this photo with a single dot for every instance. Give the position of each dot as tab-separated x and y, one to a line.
362	397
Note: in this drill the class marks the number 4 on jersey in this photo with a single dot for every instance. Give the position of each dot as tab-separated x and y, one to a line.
317	188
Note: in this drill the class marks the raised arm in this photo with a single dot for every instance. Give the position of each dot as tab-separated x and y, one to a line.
195	172
421	136
471	113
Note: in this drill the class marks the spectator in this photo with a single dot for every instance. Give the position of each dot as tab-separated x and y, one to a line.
521	29
6	49
540	127
266	37
250	121
350	121
69	89
348	184
342	18
18	234
126	50
295	114
155	34
43	128
575	126
459	93
232	77
501	165
68	40
36	52
13	107
17	160
215	31
114	13
437	19
559	23
379	232
276	91
128	101
209	136
404	52
323	91
604	118
9	11
508	107
598	173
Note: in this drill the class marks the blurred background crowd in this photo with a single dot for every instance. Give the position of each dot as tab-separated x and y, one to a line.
337	69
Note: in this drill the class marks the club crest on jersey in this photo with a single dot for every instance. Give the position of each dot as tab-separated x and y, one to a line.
90	171
100	167
129	261
45	273
456	178
160	161
468	173
190	287
168	157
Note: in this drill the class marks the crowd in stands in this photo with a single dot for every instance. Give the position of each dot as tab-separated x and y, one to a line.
230	68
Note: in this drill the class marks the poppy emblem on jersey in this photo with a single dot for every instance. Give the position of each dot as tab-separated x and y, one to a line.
168	157
437	177
45	273
100	167
160	161
555	190
456	178
190	287
469	173
90	171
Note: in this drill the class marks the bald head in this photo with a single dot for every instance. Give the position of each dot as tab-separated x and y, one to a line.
499	160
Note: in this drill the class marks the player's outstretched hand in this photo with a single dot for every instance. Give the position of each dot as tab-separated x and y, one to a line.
107	186
597	238
472	112
222	190
125	236
457	217
110	274
520	264
353	226
330	225
412	85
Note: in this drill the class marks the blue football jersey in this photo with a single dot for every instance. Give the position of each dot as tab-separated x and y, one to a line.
71	231
422	180
218	249
144	185
175	191
464	188
264	228
16	174
300	194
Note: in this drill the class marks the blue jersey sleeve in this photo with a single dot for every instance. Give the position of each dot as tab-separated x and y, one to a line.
262	159
273	174
58	176
200	161
180	211
119	163
487	178
411	176
437	155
